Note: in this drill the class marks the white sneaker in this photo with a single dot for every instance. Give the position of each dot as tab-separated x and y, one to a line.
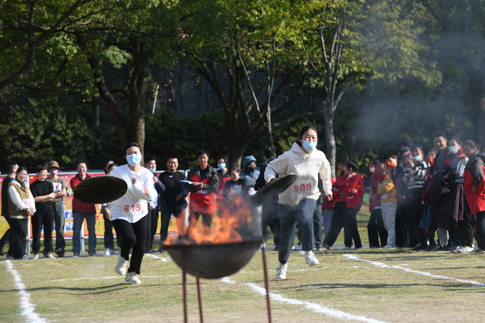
132	278
390	246
36	256
107	253
310	258
50	255
465	249
120	267
112	252
298	248
281	271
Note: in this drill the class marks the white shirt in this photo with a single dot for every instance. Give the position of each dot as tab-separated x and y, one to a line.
132	206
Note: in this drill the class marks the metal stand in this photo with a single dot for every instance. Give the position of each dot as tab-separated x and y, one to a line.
266	282
199	293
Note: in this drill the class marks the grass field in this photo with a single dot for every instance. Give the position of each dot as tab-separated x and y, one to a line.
366	285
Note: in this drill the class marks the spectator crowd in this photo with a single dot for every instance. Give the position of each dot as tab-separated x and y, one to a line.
426	200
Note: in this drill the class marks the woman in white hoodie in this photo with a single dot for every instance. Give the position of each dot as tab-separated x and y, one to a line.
297	203
129	213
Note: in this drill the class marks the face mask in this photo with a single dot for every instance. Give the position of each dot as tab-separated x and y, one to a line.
309	145
372	169
417	158
252	169
152	170
221	166
54	171
391	164
133	159
430	160
453	149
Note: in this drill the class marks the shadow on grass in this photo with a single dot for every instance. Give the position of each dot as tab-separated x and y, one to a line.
87	290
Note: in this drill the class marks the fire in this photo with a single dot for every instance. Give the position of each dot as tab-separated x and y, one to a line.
228	225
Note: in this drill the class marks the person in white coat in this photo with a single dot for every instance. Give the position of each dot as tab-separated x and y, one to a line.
297	203
129	213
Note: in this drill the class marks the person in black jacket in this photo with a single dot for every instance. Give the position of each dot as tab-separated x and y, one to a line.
237	186
7	237
270	216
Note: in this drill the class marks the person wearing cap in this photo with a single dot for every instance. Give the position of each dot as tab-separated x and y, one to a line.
250	168
60	189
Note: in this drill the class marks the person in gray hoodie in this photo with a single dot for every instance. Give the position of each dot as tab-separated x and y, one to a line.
297	203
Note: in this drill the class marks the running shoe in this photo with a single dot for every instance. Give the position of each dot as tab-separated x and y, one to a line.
281	271
132	278
50	255
36	256
120	267
310	258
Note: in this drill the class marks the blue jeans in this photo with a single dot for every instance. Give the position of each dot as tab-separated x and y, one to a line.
76	235
289	217
60	220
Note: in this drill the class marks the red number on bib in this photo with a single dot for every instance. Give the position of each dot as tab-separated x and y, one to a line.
138	207
127	208
309	186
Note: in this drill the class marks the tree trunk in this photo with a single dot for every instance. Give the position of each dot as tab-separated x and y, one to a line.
330	139
269	129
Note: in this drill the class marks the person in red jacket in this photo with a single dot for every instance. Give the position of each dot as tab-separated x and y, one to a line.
327	208
81	211
474	184
354	196
338	217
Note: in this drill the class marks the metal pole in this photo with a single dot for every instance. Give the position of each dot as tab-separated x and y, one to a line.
200	301
184	287
266	282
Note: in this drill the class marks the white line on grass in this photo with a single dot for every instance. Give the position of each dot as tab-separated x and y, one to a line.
28	308
162	259
423	273
110	277
311	306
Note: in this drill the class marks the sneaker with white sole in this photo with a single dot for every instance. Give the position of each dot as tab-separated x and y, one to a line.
477	251
50	255
120	267
310	258
36	256
281	271
132	278
465	249
106	252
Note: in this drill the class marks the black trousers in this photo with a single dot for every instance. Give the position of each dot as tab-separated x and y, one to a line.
414	214
480	226
338	221
206	218
271	219
133	236
351	232
466	227
318	226
108	234
19	237
43	218
376	229
152	223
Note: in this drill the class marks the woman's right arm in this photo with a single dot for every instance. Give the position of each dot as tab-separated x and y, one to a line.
278	166
16	199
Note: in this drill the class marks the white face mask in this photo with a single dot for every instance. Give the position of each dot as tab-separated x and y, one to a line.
453	149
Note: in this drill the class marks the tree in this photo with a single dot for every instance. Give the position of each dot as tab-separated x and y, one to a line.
247	60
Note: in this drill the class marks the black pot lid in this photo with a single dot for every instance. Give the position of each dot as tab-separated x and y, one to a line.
273	188
100	189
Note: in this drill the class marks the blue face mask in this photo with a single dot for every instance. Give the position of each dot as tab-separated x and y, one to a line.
416	158
309	145
221	166
152	170
133	159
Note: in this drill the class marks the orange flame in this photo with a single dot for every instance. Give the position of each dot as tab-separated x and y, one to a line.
226	226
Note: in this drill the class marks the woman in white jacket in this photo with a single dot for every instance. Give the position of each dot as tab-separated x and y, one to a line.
297	203
21	206
129	213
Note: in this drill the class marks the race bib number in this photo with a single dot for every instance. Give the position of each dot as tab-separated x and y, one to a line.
302	188
132	208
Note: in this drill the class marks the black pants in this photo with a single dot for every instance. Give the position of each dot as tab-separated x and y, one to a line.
376	229
318	226
414	214
271	219
338	221
19	237
466	227
289	217
43	218
480	226
152	223
206	218
133	236
177	209
108	234
351	232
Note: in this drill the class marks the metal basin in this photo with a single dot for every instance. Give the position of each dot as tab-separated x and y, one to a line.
214	260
